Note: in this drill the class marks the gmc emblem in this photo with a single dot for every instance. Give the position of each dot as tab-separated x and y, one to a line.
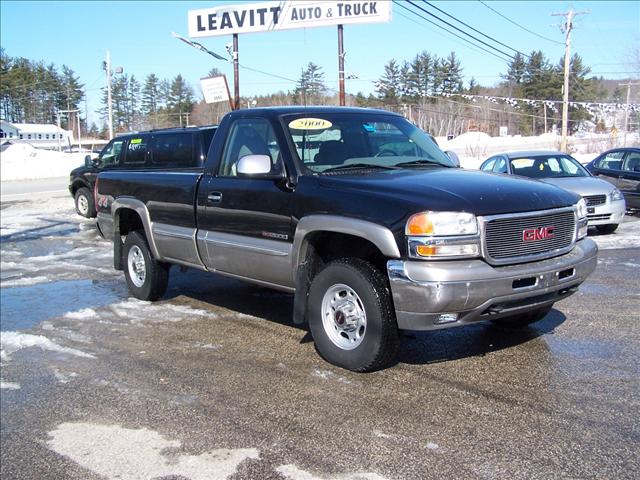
534	234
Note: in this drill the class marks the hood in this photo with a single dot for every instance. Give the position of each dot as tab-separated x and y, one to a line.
582	185
78	171
453	189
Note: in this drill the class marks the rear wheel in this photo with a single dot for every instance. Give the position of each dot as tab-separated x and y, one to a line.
147	278
523	320
84	203
607	228
351	316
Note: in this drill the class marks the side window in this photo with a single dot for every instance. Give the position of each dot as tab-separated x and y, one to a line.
173	150
136	151
487	167
632	162
612	161
111	153
248	136
500	166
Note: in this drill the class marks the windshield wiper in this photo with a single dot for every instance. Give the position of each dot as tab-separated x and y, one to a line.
419	163
358	166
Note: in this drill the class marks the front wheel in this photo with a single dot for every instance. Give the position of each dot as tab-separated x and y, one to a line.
84	203
147	278
351	316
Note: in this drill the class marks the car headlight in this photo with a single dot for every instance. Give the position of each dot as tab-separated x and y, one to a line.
582	224
443	235
616	195
441	224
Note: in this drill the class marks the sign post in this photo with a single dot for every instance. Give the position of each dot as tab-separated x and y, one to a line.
284	15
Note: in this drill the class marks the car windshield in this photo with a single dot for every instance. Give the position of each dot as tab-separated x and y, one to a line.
547	166
346	141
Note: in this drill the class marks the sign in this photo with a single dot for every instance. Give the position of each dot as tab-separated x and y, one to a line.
283	15
215	89
309	124
504	131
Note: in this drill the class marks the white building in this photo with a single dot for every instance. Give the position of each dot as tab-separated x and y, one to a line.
36	134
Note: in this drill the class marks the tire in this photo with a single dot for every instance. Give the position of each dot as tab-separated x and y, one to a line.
85	206
147	278
351	316
606	229
522	321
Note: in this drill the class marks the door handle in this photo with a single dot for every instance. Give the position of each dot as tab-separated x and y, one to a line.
214	197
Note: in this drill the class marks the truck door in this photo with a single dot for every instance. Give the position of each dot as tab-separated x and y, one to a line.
246	226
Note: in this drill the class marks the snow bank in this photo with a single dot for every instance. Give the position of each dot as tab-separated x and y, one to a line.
21	162
11	342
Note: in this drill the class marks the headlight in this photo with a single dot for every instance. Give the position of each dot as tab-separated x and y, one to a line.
442	224
616	195
582	224
582	208
443	235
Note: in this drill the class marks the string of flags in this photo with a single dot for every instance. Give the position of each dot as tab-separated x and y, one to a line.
554	105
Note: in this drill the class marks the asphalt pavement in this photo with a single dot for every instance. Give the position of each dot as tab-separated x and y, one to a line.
214	381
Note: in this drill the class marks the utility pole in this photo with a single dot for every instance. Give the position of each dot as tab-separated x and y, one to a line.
567	27
107	69
341	66
626	112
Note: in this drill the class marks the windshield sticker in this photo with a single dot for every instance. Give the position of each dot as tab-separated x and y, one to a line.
309	124
135	141
369	127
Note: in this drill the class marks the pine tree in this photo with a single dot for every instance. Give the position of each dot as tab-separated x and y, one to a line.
310	89
180	99
388	87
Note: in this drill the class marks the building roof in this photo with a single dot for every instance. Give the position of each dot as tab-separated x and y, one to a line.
36	127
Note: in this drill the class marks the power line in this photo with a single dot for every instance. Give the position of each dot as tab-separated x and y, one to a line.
450	32
520	26
475	30
460	30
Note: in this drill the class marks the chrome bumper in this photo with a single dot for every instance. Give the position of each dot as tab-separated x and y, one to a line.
475	290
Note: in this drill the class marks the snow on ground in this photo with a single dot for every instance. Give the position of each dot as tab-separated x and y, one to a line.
11	342
112	451
21	161
9	386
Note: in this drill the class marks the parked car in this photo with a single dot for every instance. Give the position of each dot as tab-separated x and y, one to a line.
360	216
181	148
621	168
605	203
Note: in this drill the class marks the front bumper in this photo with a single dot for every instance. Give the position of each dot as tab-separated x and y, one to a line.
607	213
423	291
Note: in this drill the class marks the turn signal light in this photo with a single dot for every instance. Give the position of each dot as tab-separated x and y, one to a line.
420	225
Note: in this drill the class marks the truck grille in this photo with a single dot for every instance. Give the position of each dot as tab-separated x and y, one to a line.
603	216
505	236
593	200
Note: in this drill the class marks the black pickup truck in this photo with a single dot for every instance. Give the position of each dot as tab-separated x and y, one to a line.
361	217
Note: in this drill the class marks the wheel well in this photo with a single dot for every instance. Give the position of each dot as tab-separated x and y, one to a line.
330	246
129	221
77	186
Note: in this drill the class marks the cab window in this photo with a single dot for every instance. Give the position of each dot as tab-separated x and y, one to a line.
111	153
488	166
500	166
632	162
136	151
173	150
248	136
611	161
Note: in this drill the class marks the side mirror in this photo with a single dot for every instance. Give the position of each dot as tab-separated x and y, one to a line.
96	162
454	157
87	161
258	166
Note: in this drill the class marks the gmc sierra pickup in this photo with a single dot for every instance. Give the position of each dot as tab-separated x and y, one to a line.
361	217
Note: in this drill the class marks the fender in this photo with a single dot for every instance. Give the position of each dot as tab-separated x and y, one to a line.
380	236
142	211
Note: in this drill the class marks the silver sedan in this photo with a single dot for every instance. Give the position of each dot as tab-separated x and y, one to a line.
605	202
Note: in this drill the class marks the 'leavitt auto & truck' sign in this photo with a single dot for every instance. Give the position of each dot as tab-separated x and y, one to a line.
270	16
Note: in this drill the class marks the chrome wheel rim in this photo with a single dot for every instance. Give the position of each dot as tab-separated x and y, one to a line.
83	205
343	317
137	266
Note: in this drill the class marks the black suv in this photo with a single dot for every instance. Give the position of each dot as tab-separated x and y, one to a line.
182	148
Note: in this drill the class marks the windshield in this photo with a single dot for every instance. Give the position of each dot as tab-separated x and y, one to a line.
548	166
344	141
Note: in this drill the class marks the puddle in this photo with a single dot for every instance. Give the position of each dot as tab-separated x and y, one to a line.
25	307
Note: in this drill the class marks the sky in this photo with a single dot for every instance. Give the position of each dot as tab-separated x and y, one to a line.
138	36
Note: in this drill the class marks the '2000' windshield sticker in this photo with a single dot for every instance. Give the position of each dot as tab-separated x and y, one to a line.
309	124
